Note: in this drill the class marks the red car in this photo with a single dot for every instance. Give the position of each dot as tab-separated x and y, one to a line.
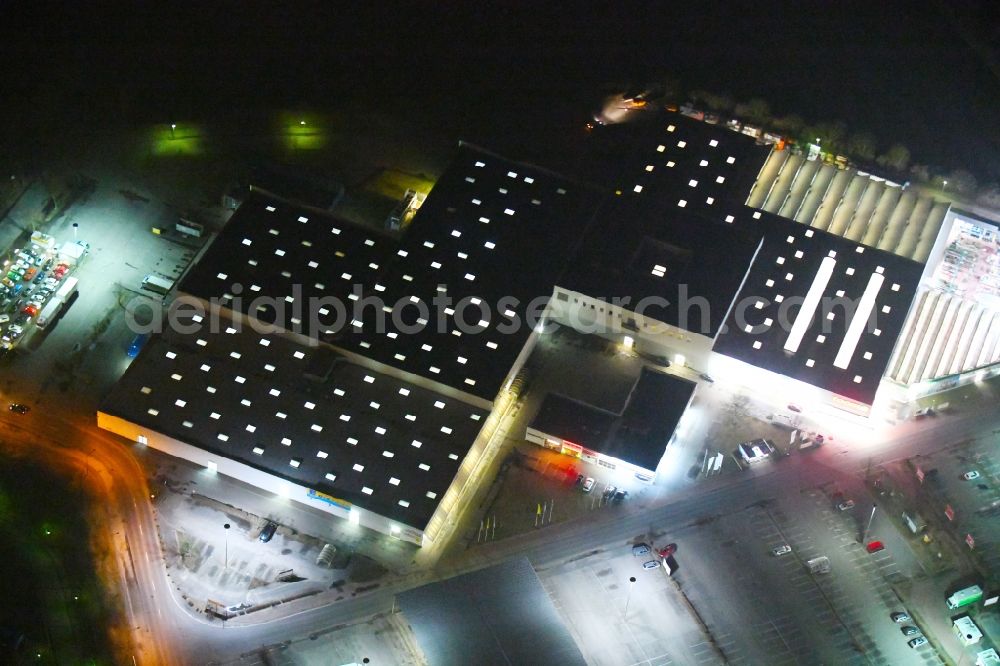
875	546
667	550
31	310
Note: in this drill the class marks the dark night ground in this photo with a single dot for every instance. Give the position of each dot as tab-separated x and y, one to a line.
42	573
926	74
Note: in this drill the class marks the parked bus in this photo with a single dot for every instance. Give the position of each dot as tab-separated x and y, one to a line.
969	595
55	305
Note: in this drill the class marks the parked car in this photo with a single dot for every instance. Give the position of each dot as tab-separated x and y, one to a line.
667	550
875	546
845	505
4	318
609	491
268	532
18	408
969	476
588	484
30	274
640	549
909	630
651	564
783	549
917	642
579	479
900	617
620	495
30	309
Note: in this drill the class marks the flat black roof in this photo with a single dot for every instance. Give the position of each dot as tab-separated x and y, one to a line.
496	616
304	414
492	234
656	255
639	435
680	186
724	163
785	269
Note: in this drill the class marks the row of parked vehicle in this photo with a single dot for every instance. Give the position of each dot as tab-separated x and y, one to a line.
31	278
611	493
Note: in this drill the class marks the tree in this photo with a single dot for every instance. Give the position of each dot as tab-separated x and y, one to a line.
831	134
715	102
756	110
897	157
989	195
862	145
961	181
791	124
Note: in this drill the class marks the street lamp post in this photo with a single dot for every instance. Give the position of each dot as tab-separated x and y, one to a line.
225	566
631	584
173	126
864	537
944	185
76	226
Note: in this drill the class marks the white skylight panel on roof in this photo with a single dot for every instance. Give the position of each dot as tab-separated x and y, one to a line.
808	308
858	321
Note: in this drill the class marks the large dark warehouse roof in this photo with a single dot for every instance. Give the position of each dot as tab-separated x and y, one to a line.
302	413
491	233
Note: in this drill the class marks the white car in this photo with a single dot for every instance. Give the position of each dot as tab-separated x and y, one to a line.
783	549
969	476
588	484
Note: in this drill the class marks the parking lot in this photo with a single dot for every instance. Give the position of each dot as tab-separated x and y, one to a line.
617	622
975	502
763	608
